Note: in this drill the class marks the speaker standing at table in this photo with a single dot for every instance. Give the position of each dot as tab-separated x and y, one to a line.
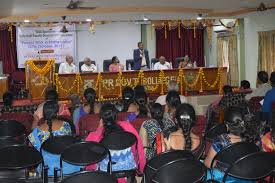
141	58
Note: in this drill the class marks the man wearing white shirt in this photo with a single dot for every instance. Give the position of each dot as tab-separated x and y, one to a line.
162	64
67	67
88	66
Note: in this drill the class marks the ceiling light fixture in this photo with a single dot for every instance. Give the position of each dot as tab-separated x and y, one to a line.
27	21
145	18
88	20
199	16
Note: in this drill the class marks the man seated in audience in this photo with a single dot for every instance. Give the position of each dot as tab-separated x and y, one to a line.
162	64
8	101
245	86
172	86
269	98
88	66
263	86
67	67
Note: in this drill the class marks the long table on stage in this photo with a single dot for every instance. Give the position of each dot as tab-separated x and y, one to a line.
109	85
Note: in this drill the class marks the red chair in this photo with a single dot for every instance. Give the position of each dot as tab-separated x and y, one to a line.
199	128
123	116
138	122
23	117
18	80
87	124
254	104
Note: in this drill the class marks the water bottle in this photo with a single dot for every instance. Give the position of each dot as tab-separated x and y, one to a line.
195	64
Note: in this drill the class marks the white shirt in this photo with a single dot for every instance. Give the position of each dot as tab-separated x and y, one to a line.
159	66
259	92
86	68
143	60
162	99
65	68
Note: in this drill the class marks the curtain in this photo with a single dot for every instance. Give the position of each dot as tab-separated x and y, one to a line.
8	50
266	59
189	43
227	57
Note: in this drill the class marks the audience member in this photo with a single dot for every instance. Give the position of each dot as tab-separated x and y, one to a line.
231	99
263	86
245	85
89	107
142	106
88	66
50	95
269	98
125	159
162	64
51	127
116	66
268	140
67	67
127	103
172	86
9	107
180	137
150	128
234	121
74	102
172	102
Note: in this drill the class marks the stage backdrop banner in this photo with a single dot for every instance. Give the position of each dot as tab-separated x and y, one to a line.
45	42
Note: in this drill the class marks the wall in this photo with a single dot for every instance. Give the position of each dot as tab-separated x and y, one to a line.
252	25
115	39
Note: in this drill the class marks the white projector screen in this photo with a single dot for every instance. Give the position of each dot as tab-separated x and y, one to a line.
114	39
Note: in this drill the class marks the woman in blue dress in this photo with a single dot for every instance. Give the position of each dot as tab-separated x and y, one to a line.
234	121
51	127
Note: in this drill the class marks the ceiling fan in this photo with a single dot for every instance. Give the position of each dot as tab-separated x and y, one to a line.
75	5
262	7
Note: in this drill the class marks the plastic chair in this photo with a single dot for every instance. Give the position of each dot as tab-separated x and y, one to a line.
230	154
182	170
154	61
123	116
129	62
120	141
11	132
14	159
24	118
160	160
83	154
87	124
254	166
56	145
254	104
89	177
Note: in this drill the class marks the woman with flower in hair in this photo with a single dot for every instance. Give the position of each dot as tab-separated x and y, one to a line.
234	121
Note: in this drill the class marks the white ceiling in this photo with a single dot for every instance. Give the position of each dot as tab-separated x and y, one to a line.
41	10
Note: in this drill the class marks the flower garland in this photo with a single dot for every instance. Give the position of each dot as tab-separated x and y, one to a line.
49	66
43	70
76	83
194	82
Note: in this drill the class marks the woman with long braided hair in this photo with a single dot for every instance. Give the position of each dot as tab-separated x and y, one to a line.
51	127
236	129
181	137
124	159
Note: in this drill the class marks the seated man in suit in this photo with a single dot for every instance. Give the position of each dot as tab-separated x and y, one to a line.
88	66
141	58
162	64
67	67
